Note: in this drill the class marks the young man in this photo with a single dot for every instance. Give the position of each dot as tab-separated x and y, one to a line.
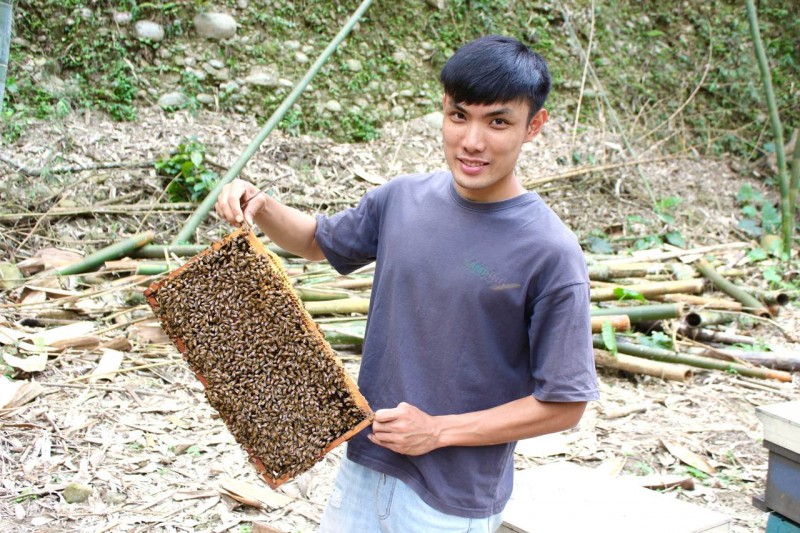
479	331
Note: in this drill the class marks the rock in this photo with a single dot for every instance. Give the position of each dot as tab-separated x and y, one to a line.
434	119
300	57
77	493
242	4
229	87
172	100
215	26
284	82
262	77
199	74
333	106
400	56
205	99
292	45
216	63
406	93
354	65
147	29
438	4
190	61
398	111
123	18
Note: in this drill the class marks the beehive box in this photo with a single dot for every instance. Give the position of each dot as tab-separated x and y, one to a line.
264	364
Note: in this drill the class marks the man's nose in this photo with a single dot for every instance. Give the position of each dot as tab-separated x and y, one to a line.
474	139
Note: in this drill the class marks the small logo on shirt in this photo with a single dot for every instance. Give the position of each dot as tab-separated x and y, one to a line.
495	281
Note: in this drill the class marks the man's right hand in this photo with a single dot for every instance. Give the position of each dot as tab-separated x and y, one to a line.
233	195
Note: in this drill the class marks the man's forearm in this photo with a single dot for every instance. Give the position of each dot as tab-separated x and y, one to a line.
520	419
290	229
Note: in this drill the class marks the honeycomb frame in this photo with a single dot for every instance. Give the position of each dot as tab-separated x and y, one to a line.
181	338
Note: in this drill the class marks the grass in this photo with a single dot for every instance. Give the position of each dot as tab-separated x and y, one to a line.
649	57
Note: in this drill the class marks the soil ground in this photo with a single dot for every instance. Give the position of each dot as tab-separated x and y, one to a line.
146	441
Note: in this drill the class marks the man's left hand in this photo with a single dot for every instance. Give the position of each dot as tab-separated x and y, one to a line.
405	429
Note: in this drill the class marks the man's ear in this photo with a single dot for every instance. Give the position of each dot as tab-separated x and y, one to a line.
536	124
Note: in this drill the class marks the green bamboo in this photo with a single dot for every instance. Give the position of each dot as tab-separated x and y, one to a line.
157	251
794	180
153	268
648	289
787	218
660	354
699	319
187	232
109	253
609	272
5	44
643	313
309	294
751	305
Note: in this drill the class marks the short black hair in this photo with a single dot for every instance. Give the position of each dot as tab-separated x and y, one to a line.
495	69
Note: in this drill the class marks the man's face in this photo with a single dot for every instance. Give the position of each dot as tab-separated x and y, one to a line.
482	144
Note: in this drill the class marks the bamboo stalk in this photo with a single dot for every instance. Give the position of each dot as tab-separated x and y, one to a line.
312	294
699	301
751	305
114	251
5	44
771	297
97	209
787	219
638	365
660	354
794	179
159	251
698	319
659	255
619	322
649	289
187	232
642	313
777	360
608	272
338	307
707	335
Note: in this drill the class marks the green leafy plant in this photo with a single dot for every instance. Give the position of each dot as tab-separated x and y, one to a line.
759	216
657	339
189	178
621	293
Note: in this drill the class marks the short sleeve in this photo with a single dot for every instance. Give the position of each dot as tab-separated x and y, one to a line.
562	357
349	239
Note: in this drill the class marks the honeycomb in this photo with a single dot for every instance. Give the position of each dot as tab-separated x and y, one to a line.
264	364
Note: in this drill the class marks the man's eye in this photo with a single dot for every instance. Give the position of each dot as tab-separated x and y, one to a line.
499	122
458	115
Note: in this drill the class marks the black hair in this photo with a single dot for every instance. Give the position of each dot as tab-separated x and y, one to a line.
496	69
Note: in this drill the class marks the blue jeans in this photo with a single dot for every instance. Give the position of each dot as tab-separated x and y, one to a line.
366	501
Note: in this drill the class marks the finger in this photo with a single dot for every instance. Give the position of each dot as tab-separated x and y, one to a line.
387	415
256	204
223	203
234	203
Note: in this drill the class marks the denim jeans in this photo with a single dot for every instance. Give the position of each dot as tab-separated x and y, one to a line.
366	501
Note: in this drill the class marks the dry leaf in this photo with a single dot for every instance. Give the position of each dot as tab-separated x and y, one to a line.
109	363
62	333
150	332
260	527
688	456
87	342
47	258
252	495
33	363
663	481
359	171
8	389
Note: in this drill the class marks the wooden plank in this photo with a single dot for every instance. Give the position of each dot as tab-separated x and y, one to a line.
781	423
566	497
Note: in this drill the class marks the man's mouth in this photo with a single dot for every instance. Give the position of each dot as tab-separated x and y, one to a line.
472	163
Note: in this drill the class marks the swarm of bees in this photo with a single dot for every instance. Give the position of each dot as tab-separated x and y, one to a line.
265	365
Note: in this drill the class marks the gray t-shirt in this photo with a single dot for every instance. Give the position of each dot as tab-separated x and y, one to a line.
473	305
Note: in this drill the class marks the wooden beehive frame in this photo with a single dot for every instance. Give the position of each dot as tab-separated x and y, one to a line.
286	285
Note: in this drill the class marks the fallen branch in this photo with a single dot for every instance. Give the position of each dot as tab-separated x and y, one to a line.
178	207
28	171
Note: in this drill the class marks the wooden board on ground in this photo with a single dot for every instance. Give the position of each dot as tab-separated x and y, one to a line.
567	497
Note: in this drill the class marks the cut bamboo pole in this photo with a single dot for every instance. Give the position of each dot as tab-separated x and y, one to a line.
187	232
771	297
618	322
313	294
781	360
338	307
638	365
751	305
114	251
707	335
609	272
159	251
660	255
5	44
642	313
668	356
649	289
698	319
700	301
